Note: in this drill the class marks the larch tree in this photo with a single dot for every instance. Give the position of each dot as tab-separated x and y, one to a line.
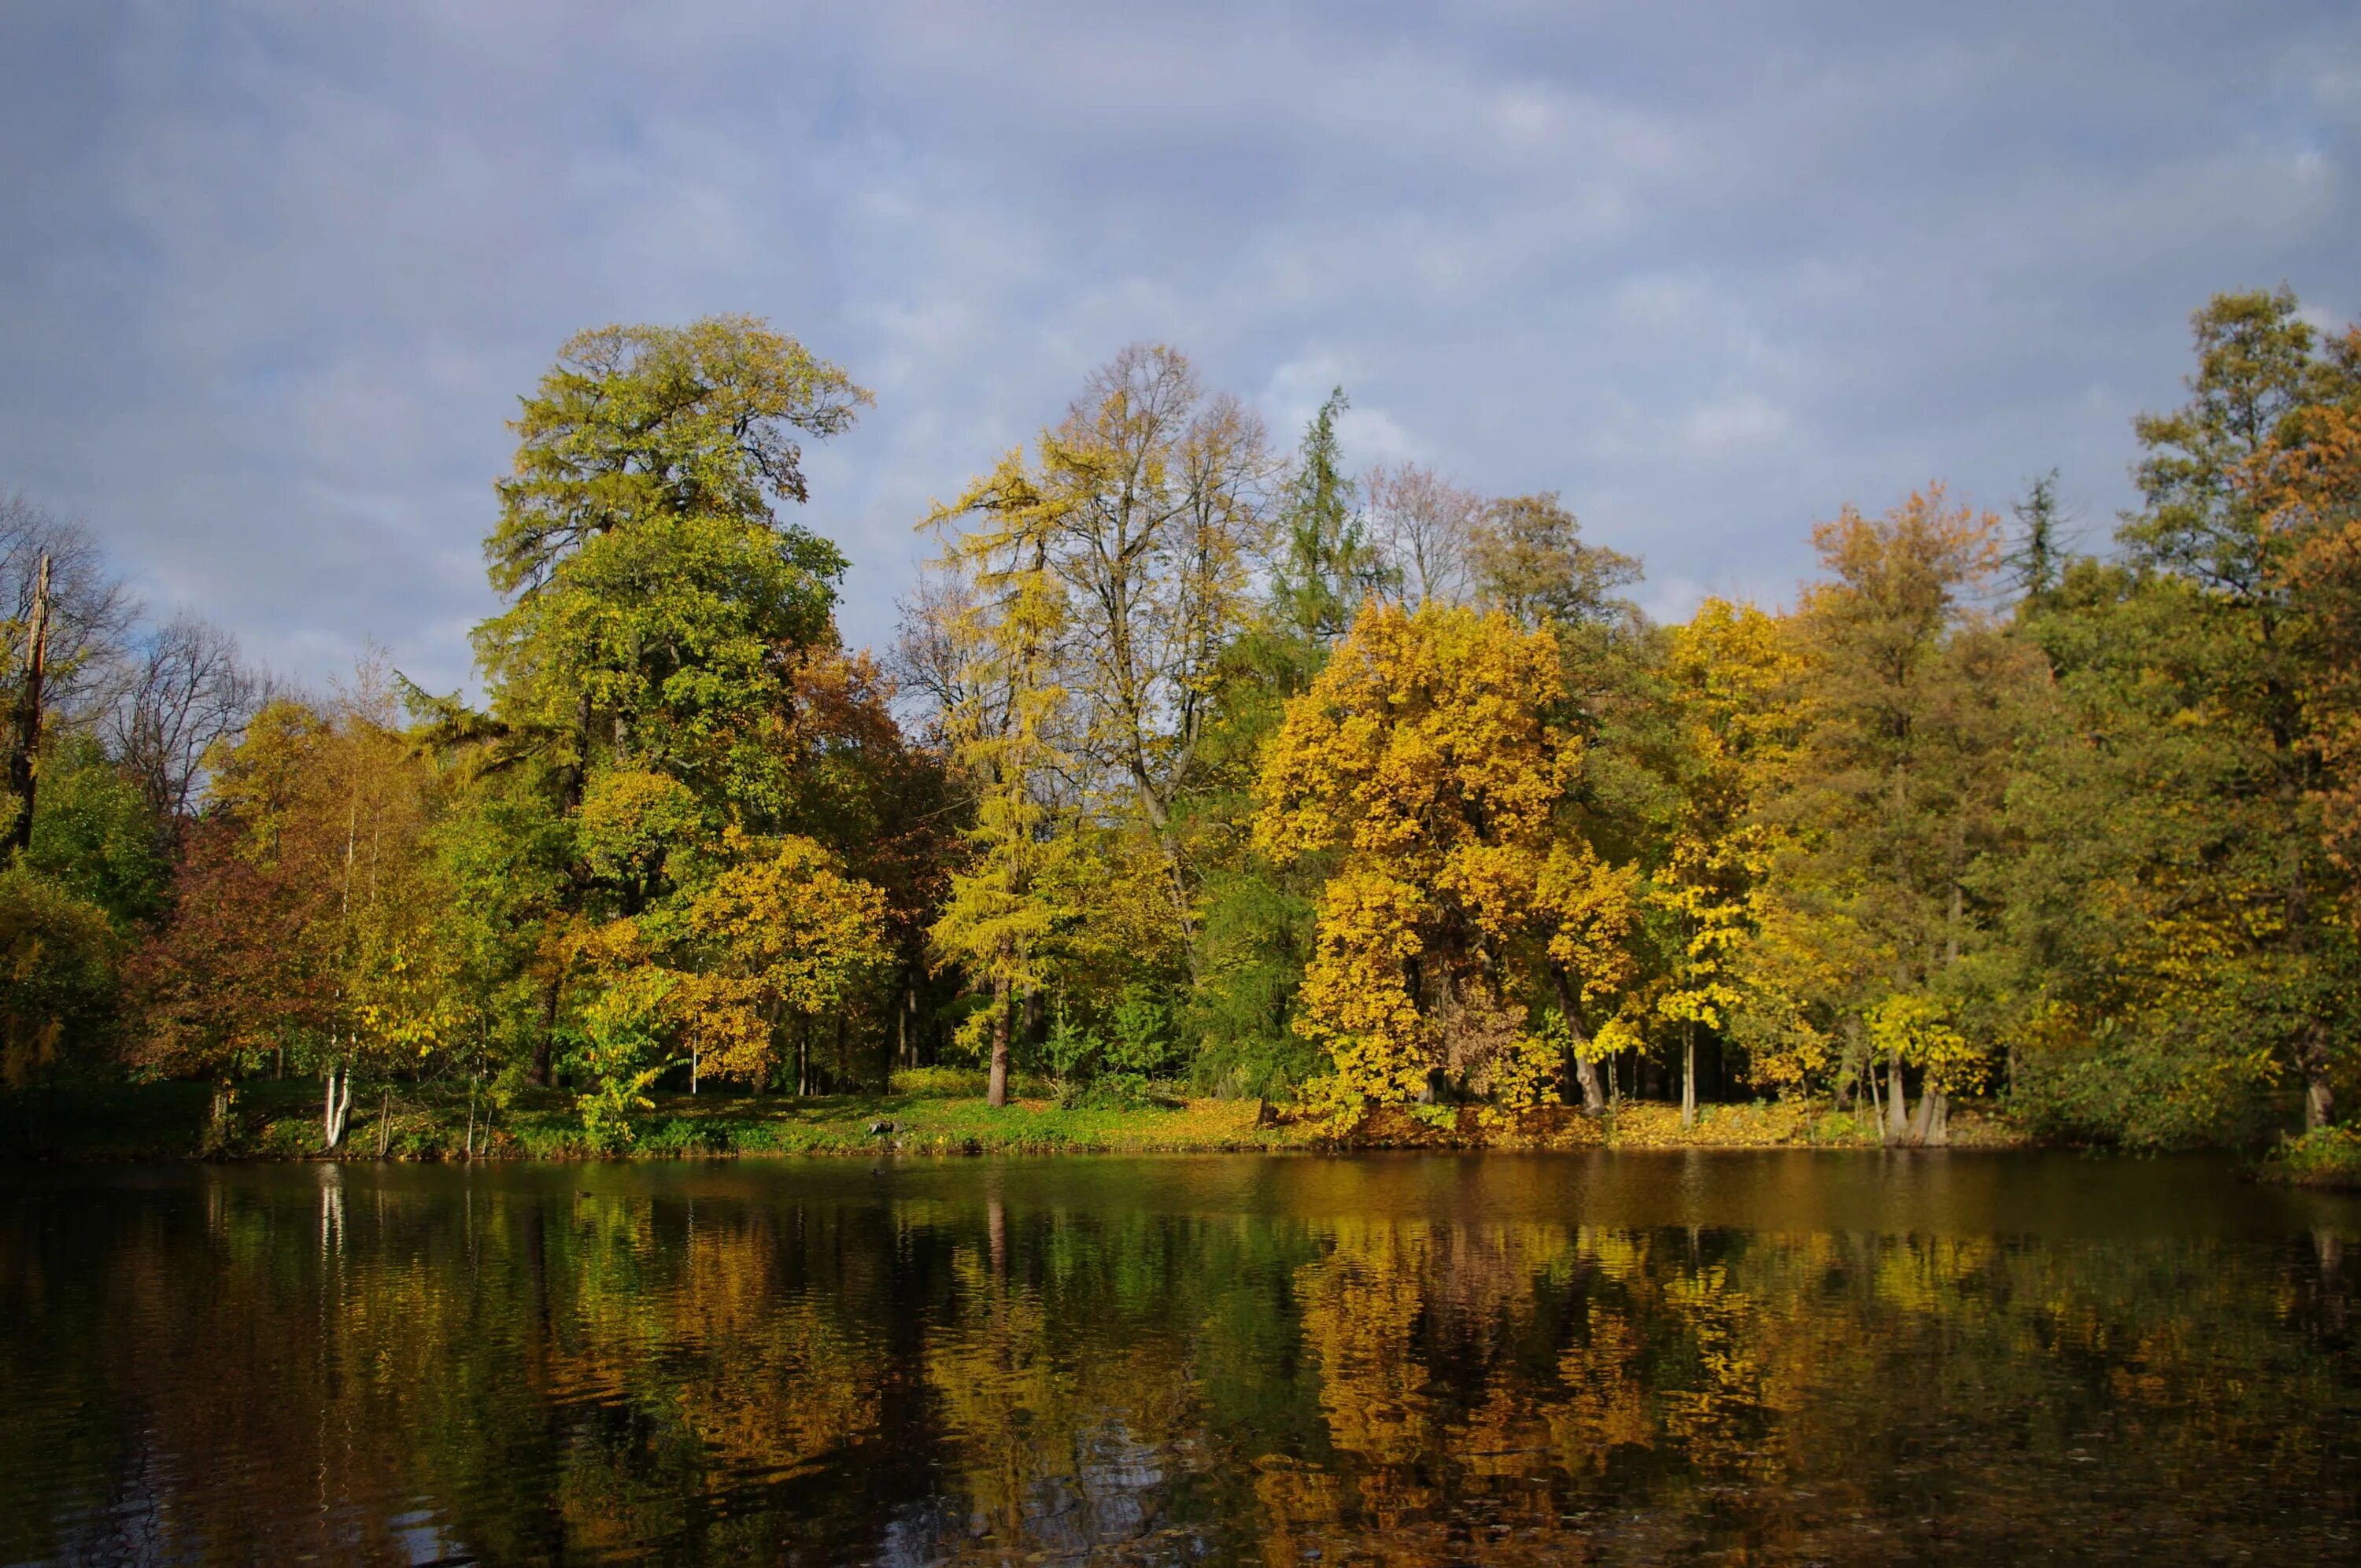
1004	640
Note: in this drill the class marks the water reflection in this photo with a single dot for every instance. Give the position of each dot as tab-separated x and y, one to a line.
1770	1358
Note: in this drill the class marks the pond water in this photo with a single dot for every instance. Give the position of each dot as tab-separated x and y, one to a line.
1758	1357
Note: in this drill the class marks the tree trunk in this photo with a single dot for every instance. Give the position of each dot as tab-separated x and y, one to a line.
1897	1103
23	756
333	1115
1689	1073
1922	1121
541	1067
1939	1125
2319	1095
1585	1071
909	1004
996	1093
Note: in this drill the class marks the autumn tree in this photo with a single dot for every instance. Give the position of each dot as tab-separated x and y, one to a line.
1423	759
658	605
1892	797
782	934
1004	638
309	918
1730	676
2184	917
1153	502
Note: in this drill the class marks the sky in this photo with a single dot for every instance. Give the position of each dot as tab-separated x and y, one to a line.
273	273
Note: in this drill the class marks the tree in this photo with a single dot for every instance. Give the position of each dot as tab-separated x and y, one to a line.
1325	564
58	957
1150	496
309	918
95	836
1892	792
782	932
2309	482
62	615
1529	560
184	691
657	604
1003	739
1426	529
1732	671
1423	758
2203	948
2041	552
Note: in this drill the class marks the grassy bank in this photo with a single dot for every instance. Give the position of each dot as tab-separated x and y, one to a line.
2329	1157
281	1121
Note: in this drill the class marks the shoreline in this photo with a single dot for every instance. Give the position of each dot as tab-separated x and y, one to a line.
281	1122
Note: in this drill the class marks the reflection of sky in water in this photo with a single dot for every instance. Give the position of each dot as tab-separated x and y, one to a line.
1834	1358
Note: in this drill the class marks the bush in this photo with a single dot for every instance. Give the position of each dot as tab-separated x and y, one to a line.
2325	1157
961	1083
57	975
939	1083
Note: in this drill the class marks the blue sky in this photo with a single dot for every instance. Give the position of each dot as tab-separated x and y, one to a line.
272	274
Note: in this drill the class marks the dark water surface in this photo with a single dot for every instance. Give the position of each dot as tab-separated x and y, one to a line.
1759	1358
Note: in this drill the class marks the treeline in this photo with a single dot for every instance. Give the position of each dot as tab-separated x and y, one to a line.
1204	762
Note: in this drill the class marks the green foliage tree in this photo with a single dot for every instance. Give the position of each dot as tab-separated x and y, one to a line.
2185	921
1892	799
658	606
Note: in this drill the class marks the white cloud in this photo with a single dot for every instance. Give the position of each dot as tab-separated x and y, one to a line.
1729	427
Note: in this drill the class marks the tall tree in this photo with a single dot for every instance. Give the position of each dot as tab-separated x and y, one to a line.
56	591
1006	635
1323	563
1424	756
1158	514
1895	790
2205	949
658	605
1731	677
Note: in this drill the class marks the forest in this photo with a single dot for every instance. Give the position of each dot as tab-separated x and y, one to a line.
1207	763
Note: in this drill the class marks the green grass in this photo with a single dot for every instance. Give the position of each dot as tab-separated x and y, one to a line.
938	1115
2327	1157
281	1121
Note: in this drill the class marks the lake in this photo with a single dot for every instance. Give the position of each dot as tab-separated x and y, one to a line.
1759	1357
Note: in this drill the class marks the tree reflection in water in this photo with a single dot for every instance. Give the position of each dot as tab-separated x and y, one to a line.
1249	1361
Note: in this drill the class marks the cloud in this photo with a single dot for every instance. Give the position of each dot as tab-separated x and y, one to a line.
280	271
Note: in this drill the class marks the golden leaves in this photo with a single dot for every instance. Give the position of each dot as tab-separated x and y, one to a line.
1424	756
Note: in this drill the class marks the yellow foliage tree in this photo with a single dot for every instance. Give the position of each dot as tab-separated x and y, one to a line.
1001	637
1727	668
1424	760
785	933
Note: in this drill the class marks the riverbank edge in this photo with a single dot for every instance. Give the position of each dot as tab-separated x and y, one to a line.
282	1121
2326	1160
